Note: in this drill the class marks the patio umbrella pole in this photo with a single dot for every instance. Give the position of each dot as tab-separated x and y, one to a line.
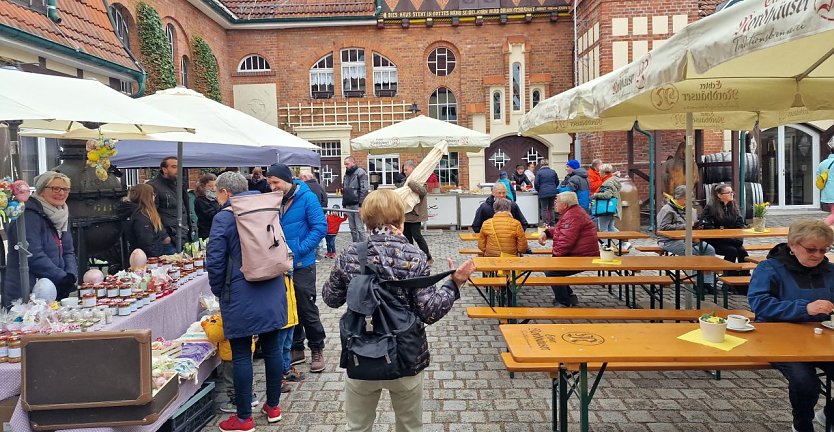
690	186
22	245
179	192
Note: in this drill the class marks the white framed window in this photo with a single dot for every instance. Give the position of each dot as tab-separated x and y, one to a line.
448	169
184	71
321	78
329	148
442	61
443	105
385	166
497	105
125	87
385	77
353	72
120	25
516	86
253	63
171	36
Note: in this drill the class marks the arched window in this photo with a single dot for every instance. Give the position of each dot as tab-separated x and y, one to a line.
536	97
496	104
443	105
120	24
321	78
385	77
253	63
441	61
353	72
516	84
184	71
171	36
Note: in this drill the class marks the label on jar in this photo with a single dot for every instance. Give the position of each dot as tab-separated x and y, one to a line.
124	311
4	352
188	266
125	292
198	263
112	292
101	292
14	353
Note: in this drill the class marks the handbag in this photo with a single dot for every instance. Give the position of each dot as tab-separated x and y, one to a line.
822	179
604	207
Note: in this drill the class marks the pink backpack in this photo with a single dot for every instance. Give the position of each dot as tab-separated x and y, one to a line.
263	246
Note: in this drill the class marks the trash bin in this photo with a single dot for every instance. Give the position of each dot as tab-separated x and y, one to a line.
630	199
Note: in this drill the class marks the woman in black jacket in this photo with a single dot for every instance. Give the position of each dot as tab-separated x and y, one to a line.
142	225
206	205
723	213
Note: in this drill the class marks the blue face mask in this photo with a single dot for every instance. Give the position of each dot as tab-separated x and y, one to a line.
212	195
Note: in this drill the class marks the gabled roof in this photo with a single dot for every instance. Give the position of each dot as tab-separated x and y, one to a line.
270	9
85	26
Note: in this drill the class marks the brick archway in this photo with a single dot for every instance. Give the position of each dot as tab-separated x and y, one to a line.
505	153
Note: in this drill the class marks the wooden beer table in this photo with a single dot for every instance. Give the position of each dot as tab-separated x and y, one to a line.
621	236
572	347
759	258
518	269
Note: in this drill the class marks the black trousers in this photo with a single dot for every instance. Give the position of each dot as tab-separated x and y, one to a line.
547	213
412	233
309	324
561	292
732	249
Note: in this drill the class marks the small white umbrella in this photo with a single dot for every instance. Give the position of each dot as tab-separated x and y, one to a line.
420	132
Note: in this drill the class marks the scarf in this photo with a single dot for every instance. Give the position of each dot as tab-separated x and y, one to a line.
387	230
58	215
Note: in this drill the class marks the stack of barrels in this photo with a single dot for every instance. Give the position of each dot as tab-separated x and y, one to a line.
713	175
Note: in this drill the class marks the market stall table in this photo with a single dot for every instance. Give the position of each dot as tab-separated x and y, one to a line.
566	345
168	317
519	268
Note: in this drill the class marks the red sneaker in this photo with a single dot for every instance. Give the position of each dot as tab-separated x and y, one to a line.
273	414
237	425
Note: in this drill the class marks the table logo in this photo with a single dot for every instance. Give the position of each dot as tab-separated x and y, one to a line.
583	338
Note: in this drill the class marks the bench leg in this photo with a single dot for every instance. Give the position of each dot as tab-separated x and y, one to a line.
563	400
554	409
584	398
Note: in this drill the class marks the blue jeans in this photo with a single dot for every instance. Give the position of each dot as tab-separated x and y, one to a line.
331	243
803	390
678	247
242	365
285	342
606	224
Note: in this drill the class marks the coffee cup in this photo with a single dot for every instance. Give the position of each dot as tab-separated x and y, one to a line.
737	321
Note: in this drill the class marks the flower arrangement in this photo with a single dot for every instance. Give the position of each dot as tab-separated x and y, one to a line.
760	210
99	152
712	318
13	197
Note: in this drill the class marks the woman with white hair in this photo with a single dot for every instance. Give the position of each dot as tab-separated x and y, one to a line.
609	189
50	242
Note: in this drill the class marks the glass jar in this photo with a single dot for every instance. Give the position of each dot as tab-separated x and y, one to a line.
124	308
133	306
85	290
125	290
88	300
4	349
112	291
101	291
14	351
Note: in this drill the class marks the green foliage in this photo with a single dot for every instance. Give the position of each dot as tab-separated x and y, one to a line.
156	53
206	80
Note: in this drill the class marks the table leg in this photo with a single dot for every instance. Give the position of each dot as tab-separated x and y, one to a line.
677	274
699	289
563	399
554	408
584	398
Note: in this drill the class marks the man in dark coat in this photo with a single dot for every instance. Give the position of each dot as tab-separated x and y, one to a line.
167	198
547	187
355	188
486	212
576	180
258	181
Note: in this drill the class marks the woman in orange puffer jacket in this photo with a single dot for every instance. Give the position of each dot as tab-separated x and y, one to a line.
502	234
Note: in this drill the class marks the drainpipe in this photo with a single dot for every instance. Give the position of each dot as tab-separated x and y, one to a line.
52	11
652	175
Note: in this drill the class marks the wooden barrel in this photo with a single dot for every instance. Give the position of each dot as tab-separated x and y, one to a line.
724	174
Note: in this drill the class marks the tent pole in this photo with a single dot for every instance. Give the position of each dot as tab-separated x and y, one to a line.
180	170
22	245
690	186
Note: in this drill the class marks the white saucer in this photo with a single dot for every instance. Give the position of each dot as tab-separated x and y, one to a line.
747	328
827	324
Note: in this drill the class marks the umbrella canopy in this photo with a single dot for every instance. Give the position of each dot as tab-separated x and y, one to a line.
420	132
54	103
756	61
420	174
199	155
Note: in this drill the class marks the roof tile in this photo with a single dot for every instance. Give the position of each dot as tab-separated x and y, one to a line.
84	26
266	9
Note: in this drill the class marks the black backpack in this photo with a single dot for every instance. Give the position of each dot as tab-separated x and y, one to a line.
381	336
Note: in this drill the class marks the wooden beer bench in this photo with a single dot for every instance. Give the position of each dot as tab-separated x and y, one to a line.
523	314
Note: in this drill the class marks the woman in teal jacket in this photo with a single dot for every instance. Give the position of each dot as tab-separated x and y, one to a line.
796	284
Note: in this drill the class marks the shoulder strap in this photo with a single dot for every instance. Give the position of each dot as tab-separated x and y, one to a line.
418	282
500	249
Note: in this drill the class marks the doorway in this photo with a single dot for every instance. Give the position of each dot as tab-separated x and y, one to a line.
505	153
789	156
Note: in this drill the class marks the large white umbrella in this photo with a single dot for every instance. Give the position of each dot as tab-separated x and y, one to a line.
420	132
420	174
759	60
69	104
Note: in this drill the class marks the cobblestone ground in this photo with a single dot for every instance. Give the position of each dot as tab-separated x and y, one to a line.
467	389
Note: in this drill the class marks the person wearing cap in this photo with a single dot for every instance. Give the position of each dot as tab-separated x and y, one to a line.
304	226
576	181
672	216
46	216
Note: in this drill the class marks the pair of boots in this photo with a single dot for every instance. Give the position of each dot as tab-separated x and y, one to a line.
316	359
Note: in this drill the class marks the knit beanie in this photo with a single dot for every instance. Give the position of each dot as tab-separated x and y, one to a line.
281	171
573	163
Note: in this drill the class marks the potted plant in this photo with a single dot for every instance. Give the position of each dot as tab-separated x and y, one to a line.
713	327
759	213
606	253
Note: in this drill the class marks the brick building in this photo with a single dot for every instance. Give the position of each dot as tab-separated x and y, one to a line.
330	71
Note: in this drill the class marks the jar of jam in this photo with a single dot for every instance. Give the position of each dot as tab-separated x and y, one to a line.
13	350
124	308
88	300
112	291
86	289
132	302
125	290
152	263
140	303
4	349
101	290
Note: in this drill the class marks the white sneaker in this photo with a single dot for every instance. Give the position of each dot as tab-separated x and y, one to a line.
626	245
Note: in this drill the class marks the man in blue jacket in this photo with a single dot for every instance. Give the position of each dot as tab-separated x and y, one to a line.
304	226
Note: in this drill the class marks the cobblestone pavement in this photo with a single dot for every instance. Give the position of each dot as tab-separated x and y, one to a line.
467	389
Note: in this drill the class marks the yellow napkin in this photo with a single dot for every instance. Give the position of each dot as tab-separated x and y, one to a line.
602	261
729	343
750	230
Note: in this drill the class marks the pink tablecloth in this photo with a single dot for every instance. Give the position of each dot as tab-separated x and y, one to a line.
168	317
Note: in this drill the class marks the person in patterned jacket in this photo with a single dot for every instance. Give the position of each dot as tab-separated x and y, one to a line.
383	213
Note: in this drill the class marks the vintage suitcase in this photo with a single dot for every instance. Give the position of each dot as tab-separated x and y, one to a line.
106	416
86	370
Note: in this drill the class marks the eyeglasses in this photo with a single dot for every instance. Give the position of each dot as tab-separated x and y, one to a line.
814	251
726	193
58	189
